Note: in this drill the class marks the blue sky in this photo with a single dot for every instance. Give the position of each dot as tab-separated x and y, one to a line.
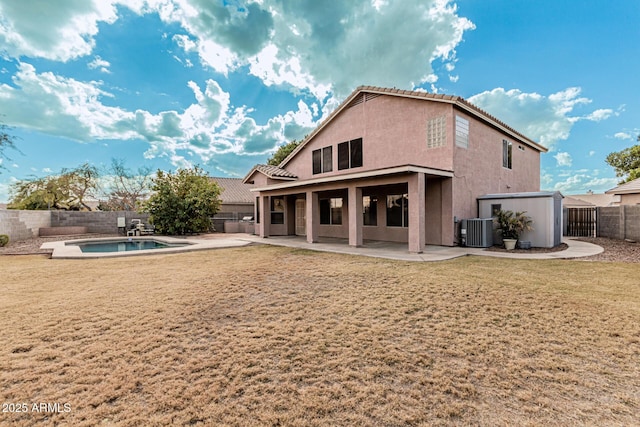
221	84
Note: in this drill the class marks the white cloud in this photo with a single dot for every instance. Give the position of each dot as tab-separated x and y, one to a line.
99	63
311	48
60	30
591	153
563	159
599	115
579	183
623	135
209	127
317	48
547	119
60	106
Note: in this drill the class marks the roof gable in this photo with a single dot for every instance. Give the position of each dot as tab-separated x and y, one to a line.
273	172
631	187
370	92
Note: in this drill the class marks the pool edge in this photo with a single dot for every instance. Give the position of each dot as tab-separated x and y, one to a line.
69	249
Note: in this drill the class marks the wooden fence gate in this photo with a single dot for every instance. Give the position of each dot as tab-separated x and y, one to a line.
579	222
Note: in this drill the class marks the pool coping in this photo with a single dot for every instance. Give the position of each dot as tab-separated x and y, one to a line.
70	249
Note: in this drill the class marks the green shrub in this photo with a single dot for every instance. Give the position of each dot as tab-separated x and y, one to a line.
4	239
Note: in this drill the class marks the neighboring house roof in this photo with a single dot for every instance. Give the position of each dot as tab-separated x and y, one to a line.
234	191
631	187
273	172
461	103
597	199
572	202
528	195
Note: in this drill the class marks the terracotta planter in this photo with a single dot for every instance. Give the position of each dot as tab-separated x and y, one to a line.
509	244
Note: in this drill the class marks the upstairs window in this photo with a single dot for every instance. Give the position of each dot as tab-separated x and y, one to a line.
462	132
350	154
317	161
507	153
327	154
322	160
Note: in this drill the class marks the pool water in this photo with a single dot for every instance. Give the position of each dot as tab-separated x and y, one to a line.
125	246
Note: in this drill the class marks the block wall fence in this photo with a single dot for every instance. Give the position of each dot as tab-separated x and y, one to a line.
619	222
616	222
23	224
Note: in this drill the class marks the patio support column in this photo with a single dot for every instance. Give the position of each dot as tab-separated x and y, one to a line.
313	216
265	216
355	216
417	215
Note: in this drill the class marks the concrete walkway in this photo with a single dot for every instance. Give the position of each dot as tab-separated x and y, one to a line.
398	251
376	249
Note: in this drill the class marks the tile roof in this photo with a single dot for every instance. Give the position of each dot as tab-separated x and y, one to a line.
234	191
631	187
456	100
570	201
273	172
597	199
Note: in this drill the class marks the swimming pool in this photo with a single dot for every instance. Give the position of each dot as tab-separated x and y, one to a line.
126	245
131	246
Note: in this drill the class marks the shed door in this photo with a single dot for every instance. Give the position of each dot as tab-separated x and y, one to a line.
301	217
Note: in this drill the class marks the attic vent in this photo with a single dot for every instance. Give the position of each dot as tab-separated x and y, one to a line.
357	101
364	98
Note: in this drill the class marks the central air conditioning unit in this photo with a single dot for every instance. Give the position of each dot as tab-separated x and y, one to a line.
477	232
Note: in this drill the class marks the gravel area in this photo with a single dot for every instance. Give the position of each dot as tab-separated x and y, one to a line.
614	250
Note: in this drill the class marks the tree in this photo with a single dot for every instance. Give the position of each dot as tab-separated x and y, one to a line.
66	191
182	202
282	152
126	189
7	142
626	163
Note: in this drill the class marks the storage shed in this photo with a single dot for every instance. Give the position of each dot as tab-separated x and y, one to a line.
544	208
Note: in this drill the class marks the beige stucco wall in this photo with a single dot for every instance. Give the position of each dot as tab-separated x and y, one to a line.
479	170
394	132
630	199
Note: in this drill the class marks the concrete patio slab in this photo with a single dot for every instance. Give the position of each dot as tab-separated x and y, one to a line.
398	251
377	249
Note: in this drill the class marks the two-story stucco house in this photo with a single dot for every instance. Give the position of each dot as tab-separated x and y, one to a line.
393	165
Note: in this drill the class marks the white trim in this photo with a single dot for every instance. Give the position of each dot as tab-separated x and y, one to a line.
358	175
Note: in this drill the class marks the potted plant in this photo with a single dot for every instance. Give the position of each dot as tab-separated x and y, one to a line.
511	224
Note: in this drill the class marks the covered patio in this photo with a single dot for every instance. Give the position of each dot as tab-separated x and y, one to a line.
408	205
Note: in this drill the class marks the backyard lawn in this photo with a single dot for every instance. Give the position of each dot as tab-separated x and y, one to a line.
277	336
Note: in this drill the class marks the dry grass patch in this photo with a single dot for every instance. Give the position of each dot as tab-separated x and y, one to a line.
276	336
